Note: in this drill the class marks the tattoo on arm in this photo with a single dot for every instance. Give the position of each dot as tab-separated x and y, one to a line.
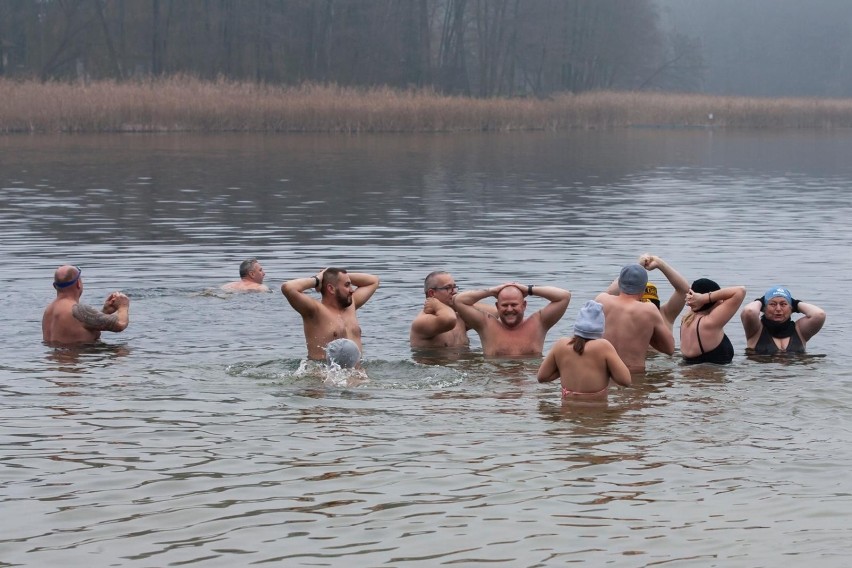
94	318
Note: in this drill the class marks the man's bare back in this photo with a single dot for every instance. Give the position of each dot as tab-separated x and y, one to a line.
633	325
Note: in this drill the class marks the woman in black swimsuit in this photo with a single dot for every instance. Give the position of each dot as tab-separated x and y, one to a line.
702	329
775	331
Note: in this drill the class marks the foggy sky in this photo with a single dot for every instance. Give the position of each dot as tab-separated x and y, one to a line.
769	47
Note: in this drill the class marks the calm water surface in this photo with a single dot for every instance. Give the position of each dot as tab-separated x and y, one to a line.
199	437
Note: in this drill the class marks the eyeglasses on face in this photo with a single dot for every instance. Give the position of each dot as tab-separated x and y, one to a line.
447	288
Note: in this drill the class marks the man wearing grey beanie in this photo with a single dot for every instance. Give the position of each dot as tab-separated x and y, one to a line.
631	324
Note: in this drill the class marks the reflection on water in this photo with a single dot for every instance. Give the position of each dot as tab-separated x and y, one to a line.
201	435
85	359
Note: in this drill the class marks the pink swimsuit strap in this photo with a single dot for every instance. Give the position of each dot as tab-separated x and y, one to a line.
568	393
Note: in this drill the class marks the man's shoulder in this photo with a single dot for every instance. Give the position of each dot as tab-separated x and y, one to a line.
79	309
421	315
604	298
648	312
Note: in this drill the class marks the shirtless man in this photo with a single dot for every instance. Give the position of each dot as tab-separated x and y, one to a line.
251	278
333	316
775	331
508	334
631	324
438	324
68	322
671	308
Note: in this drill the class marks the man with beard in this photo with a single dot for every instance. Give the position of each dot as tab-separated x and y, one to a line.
508	334
332	317
775	331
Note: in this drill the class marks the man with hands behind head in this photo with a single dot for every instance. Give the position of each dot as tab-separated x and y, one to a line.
508	334
332	317
775	331
68	322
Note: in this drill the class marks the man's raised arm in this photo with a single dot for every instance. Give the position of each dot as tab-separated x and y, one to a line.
115	317
674	305
464	302
559	299
435	318
294	290
367	285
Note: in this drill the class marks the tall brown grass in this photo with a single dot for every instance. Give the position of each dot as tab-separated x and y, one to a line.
187	104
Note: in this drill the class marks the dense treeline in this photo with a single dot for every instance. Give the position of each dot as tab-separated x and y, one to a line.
481	48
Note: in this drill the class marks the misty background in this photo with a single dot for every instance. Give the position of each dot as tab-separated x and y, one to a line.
480	48
768	47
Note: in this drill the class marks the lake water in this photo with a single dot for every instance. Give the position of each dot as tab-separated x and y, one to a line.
196	437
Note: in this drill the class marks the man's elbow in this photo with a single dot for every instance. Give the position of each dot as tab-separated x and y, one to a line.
118	325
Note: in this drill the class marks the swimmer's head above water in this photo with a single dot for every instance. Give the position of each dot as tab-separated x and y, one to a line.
343	353
651	295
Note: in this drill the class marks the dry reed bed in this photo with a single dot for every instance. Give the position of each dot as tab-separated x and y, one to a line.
186	104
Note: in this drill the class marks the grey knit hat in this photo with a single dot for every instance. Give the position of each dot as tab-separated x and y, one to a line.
590	321
343	352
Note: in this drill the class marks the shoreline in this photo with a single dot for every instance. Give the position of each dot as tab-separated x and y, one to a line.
183	104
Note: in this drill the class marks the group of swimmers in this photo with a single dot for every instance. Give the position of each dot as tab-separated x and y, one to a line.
611	339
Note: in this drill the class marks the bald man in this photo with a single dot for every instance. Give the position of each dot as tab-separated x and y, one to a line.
68	322
509	334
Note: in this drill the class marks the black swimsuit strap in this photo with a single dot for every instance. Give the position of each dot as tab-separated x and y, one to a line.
698	334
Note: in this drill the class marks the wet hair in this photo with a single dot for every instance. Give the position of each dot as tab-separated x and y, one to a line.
330	276
432	279
579	343
246	266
